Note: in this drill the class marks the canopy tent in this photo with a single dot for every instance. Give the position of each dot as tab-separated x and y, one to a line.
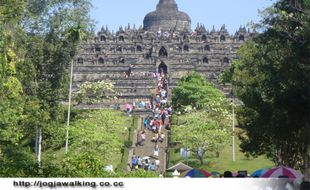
181	167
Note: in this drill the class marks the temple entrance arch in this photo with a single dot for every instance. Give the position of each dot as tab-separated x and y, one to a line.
163	68
163	52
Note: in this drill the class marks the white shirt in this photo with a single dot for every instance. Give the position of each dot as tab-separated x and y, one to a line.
157	162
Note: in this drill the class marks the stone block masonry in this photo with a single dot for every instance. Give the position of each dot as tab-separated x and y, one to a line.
165	43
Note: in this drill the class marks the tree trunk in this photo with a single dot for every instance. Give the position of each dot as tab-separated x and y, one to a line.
306	155
279	157
200	156
306	162
38	145
201	160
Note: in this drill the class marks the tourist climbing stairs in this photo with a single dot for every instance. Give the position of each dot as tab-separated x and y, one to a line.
146	150
150	150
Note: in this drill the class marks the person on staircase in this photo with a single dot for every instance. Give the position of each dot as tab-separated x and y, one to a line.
129	70
162	137
156	150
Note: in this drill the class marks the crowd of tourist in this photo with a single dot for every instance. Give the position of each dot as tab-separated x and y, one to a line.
154	124
144	163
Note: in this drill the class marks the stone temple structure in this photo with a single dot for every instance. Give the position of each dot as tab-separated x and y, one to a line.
165	43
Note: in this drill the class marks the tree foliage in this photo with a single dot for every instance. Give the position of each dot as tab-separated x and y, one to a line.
206	129
101	132
199	133
11	100
96	140
272	79
38	40
193	90
95	92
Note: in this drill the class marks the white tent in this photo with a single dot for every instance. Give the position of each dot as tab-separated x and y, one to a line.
181	167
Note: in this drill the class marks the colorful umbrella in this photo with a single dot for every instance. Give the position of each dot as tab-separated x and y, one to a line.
141	104
195	173
258	173
283	171
127	106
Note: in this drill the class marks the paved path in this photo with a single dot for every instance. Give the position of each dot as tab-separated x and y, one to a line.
148	148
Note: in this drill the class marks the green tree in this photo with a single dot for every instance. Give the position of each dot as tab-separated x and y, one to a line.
206	129
101	133
199	133
95	92
193	90
11	101
52	31
84	164
38	40
96	140
272	79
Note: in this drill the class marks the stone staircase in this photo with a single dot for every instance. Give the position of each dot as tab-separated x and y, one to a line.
141	83
139	86
148	147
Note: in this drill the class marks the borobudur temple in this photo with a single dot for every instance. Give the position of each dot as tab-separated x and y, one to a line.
165	43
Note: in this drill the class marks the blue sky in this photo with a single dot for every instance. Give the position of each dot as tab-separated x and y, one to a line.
232	13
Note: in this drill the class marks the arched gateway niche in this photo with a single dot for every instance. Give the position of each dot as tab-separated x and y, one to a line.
162	68
163	52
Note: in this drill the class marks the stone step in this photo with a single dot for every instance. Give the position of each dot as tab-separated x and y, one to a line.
135	95
147	149
128	84
140	112
135	82
134	63
124	92
114	70
111	76
135	86
119	66
181	66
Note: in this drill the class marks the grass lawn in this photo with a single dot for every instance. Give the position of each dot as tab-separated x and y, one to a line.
224	162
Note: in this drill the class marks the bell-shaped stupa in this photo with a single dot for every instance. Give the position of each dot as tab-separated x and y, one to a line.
167	17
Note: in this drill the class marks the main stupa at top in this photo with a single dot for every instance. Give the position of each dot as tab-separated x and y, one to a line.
167	17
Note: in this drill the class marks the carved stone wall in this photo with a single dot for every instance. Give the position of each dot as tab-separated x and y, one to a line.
165	42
